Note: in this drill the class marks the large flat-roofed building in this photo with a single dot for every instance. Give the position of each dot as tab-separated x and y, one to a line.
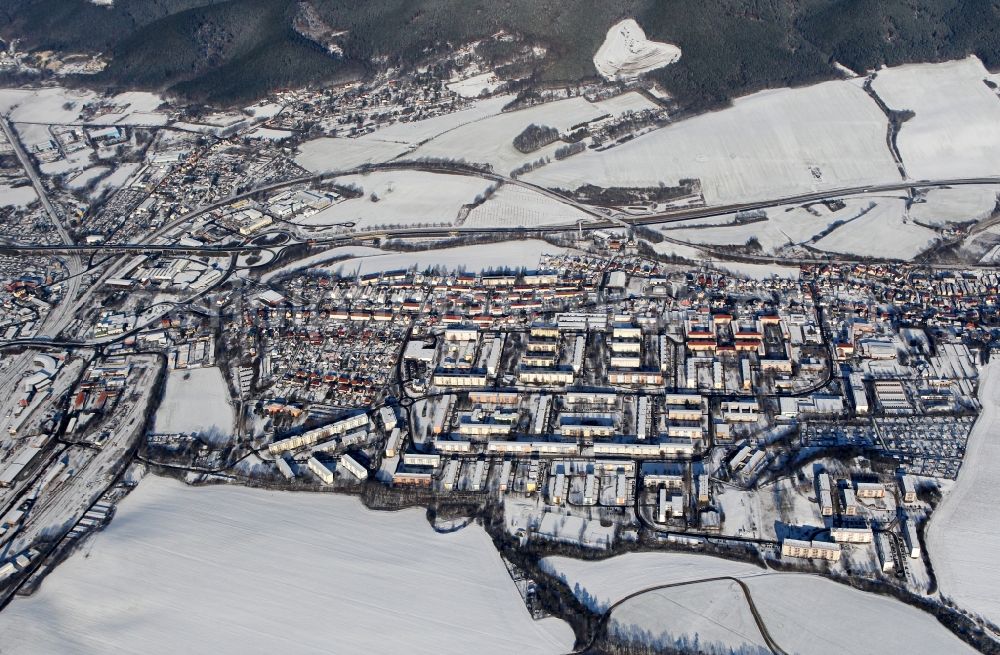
851	535
545	376
456	379
312	437
825	495
546	448
810	549
870	490
582	321
908	489
353	467
586	425
632	377
663	448
320	469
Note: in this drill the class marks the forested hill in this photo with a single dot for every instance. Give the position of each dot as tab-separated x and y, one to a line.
232	50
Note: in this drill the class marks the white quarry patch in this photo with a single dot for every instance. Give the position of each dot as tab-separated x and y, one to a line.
803	613
196	400
956	128
517	206
271	569
626	52
961	538
404	198
767	145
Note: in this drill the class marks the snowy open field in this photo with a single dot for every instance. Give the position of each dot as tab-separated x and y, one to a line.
962	537
321	258
788	225
21	196
471	87
479	133
711	617
956	129
517	206
506	254
86	176
769	144
804	613
884	231
329	154
60	105
119	177
414	132
490	140
956	204
195	400
609	580
811	615
234	570
405	198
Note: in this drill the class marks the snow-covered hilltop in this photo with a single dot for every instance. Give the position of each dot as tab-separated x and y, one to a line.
627	53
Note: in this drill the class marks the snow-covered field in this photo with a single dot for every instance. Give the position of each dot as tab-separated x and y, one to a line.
323	257
415	132
120	176
609	580
956	129
21	196
269	134
517	206
884	231
962	537
86	176
234	570
506	254
60	105
480	133
784	226
769	144
196	400
811	615
405	198
471	87
955	204
626	52
490	140
710	617
804	613
329	154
